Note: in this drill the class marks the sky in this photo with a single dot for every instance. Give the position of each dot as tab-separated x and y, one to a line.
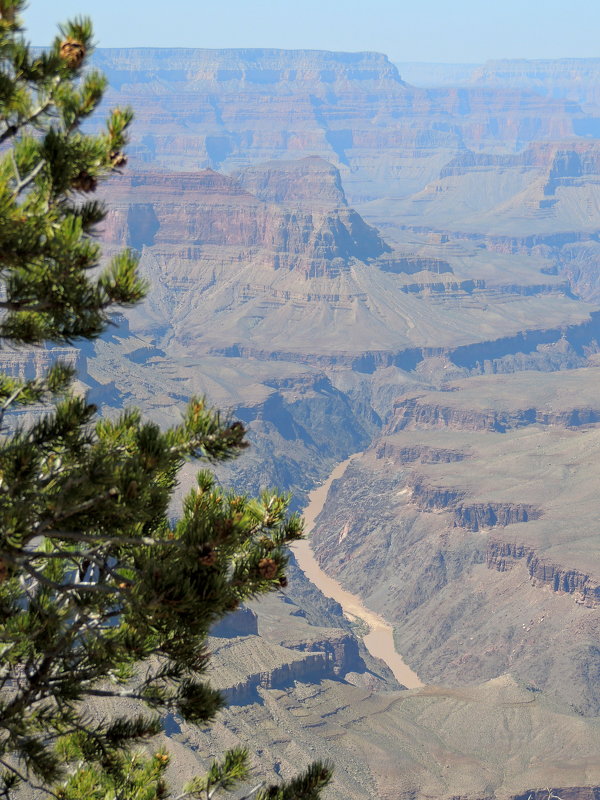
455	31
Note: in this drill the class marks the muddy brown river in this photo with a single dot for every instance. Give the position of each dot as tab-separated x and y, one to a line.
380	639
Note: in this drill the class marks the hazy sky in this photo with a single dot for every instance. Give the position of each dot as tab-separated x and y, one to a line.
419	30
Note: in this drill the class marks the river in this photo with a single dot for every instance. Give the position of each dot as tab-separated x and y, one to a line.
380	639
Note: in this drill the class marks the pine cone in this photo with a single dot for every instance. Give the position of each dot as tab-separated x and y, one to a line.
84	182
208	557
283	581
267	568
7	14
117	158
267	543
72	53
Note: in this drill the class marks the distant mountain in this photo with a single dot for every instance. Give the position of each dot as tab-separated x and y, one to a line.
228	109
575	79
432	74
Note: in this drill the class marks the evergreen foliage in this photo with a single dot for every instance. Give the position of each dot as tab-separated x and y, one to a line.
101	595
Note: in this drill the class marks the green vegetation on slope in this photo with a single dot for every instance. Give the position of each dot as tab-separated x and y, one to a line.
101	594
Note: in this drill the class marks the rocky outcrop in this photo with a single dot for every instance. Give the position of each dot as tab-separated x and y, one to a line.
412	413
447	288
471	516
508	245
479	516
341	650
311	668
561	579
580	337
560	161
34	363
398	263
433	498
207	209
502	556
310	659
425	455
308	181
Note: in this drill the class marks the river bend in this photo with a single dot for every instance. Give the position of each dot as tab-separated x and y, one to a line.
380	639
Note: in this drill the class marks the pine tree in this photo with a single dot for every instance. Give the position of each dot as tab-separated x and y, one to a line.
101	595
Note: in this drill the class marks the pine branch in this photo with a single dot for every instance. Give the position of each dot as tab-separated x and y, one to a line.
96	582
23	183
36	787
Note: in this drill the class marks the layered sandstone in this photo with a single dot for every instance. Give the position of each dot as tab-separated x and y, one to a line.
210	210
491	403
314	283
310	181
231	108
277	299
477	533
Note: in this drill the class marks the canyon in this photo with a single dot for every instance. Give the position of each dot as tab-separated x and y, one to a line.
408	274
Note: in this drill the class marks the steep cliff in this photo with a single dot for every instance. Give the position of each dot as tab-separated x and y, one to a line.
478	538
311	282
471	521
310	181
230	108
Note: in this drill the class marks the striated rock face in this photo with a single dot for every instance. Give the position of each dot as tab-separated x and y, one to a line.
308	181
311	668
342	652
497	404
423	454
411	264
289	272
275	647
412	413
503	556
230	108
30	364
472	523
482	516
541	202
471	516
568	160
289	282
207	209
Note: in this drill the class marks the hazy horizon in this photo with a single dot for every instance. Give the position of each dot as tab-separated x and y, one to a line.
436	32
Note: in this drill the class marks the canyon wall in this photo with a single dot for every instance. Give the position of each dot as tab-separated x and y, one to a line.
349	262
